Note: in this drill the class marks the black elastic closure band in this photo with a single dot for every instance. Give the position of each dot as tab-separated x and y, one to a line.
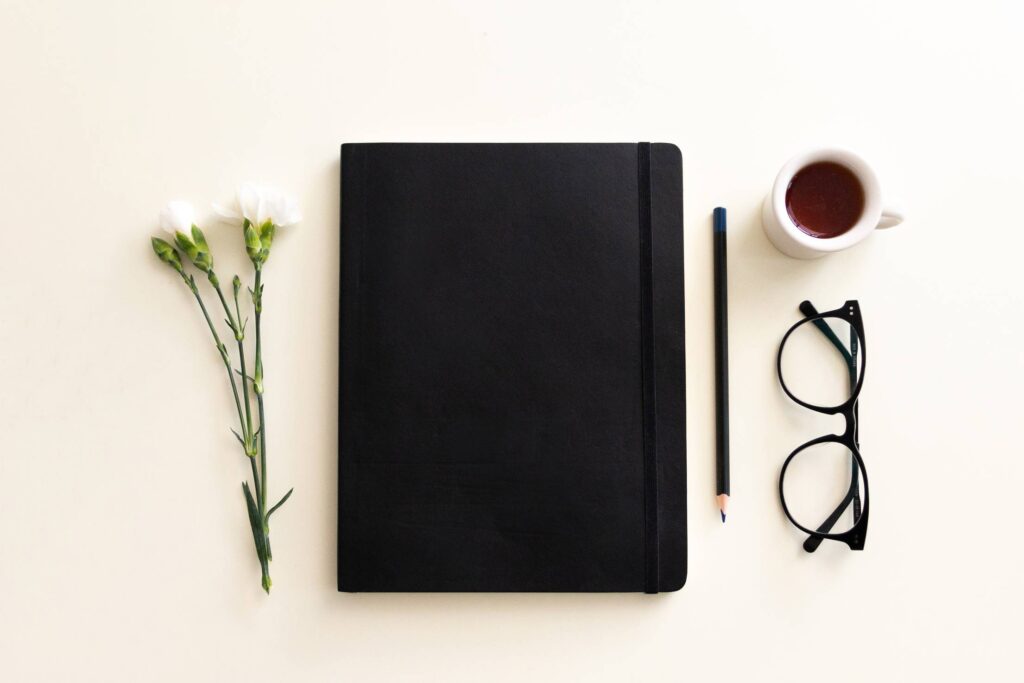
647	394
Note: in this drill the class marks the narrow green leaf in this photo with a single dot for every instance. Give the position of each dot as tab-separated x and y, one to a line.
250	502
254	521
239	373
239	437
280	502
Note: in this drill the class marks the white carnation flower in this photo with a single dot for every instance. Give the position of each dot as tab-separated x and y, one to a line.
177	216
259	204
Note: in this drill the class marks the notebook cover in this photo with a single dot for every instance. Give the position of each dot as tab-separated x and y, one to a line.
512	378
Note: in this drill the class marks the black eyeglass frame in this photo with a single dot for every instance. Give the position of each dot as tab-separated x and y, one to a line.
855	536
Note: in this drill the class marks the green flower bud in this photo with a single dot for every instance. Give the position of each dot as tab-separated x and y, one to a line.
200	239
236	283
252	243
186	245
167	253
204	261
196	248
267	231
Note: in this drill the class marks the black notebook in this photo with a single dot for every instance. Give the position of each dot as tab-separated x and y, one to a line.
512	390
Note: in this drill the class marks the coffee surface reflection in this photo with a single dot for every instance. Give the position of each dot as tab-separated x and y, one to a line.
825	199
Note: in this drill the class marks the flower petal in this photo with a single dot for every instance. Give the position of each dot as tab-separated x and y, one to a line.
177	215
261	203
227	213
290	214
249	201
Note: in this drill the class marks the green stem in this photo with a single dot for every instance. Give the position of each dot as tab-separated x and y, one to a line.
223	350
248	409
235	324
263	467
238	315
227	310
258	288
256	482
245	422
259	390
245	392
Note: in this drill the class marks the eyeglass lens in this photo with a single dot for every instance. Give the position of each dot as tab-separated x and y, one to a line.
820	362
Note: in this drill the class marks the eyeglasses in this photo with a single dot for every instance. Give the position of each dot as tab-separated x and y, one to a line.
823	484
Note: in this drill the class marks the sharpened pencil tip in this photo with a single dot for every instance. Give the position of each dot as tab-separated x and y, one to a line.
723	504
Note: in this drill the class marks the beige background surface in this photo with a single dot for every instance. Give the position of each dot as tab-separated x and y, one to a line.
124	548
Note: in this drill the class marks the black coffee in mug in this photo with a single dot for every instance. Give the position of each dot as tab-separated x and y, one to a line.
825	199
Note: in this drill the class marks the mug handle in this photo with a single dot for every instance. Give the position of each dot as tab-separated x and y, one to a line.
891	217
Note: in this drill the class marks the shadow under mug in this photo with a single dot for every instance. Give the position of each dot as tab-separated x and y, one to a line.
791	240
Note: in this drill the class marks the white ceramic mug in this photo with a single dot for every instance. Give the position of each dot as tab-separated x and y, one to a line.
791	240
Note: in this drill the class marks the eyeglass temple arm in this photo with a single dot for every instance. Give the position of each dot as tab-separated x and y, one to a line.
812	542
853	494
809	311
